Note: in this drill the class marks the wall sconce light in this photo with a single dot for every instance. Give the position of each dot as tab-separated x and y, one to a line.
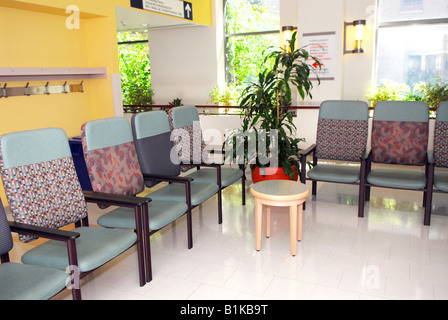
359	34
287	32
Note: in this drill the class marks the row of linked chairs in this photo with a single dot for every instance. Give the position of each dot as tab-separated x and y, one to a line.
123	159
395	156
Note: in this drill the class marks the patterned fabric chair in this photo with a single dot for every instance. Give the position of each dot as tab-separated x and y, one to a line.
342	132
438	173
113	168
159	163
22	281
43	190
186	119
399	137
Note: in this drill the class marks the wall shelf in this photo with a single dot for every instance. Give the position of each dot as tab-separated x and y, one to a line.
31	74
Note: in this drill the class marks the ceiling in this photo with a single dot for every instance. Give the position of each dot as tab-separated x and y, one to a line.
133	19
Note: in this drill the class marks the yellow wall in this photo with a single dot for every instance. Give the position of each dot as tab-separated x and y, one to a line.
33	33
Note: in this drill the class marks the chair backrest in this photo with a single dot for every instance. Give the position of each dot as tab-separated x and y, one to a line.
400	132
342	130
110	156
40	179
184	122
6	243
441	136
154	148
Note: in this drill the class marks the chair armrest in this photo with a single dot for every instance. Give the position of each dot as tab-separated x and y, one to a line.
159	177
114	199
308	150
43	232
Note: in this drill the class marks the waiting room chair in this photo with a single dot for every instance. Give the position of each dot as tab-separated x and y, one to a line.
342	133
399	149
113	168
159	163
438	173
43	190
186	118
22	281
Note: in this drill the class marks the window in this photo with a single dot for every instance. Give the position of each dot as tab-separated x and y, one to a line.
133	51
412	42
251	28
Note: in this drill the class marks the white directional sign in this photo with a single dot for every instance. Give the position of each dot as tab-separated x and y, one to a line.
177	8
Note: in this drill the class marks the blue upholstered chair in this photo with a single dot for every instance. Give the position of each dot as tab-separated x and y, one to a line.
113	168
400	131
22	281
186	118
43	190
342	132
438	172
159	163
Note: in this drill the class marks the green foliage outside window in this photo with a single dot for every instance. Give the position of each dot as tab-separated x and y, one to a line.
135	69
245	53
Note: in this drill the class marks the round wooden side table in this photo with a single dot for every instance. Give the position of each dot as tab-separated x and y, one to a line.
280	193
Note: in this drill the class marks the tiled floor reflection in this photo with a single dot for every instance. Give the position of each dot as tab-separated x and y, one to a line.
388	254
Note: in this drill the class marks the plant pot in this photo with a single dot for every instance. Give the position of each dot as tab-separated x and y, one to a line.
271	173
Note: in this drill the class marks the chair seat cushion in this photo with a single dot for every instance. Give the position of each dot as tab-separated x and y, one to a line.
228	175
441	181
200	192
161	213
95	247
335	173
28	282
400	179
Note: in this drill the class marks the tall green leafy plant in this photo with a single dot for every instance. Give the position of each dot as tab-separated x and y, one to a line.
265	102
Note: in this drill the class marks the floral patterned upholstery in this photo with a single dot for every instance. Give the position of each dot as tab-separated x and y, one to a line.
400	142
113	169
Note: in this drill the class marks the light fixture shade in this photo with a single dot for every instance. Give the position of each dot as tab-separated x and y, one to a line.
287	32
359	36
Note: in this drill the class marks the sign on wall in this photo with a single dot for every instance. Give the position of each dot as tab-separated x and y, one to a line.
176	8
322	46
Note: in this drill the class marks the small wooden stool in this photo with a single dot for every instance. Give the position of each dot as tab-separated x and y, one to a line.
280	193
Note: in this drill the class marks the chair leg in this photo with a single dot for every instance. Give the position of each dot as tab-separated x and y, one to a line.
140	244
73	264
147	244
428	199
189	218
243	191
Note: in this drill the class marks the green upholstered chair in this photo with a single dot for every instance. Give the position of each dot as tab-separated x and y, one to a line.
113	167
186	119
438	172
399	142
22	281
342	133
43	190
159	163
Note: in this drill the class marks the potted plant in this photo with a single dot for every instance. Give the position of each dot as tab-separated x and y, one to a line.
266	121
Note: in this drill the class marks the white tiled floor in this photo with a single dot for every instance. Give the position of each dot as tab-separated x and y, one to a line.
388	254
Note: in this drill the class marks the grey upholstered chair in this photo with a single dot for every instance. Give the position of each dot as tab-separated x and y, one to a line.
342	133
20	281
159	163
186	118
113	168
438	172
43	190
399	142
